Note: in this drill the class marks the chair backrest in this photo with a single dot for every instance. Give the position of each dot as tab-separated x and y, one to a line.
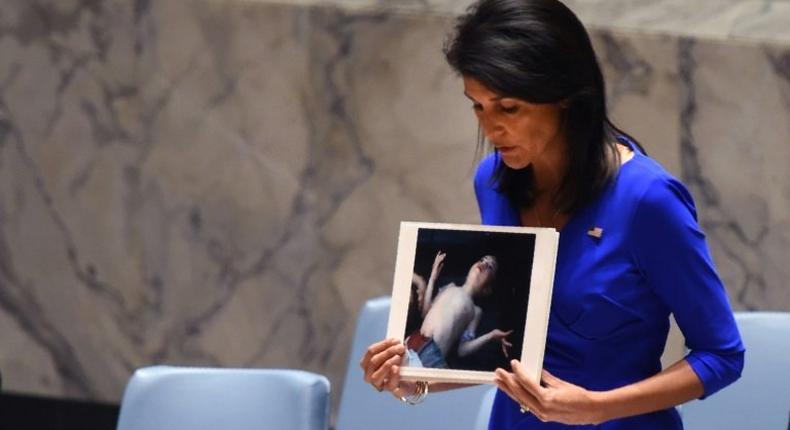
760	399
188	398
484	413
361	407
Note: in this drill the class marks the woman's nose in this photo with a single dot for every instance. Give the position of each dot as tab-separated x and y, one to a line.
492	128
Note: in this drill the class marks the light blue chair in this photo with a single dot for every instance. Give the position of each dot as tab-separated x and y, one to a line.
484	413
362	407
189	398
761	398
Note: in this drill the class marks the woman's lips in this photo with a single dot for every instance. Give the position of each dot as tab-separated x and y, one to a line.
505	148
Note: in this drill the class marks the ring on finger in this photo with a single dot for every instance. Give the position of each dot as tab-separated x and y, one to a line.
523	409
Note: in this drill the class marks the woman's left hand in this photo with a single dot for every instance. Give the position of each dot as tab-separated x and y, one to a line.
556	400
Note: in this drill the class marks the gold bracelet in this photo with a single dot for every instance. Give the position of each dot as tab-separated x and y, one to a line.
419	395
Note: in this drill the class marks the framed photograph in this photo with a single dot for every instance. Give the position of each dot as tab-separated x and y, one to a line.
467	299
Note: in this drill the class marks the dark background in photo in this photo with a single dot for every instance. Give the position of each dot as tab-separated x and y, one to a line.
506	307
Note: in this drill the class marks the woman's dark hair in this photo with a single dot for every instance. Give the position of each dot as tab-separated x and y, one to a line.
539	51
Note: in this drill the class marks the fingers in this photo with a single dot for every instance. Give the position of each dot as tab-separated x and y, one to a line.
379	358
380	377
439	259
394	378
550	380
497	333
505	346
509	383
529	388
374	349
556	400
526	380
502	385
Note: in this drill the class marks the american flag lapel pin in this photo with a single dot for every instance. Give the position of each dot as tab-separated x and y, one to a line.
595	232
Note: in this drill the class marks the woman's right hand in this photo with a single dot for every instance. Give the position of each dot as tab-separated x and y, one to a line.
381	366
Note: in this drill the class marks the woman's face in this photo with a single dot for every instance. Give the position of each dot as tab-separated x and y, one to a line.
519	130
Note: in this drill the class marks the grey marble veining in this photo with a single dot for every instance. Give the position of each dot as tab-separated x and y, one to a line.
758	20
220	182
716	19
210	183
734	151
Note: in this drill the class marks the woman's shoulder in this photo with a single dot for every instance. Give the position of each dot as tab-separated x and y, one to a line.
644	170
651	187
643	174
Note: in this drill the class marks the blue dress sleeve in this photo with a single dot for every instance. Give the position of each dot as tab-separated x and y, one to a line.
670	251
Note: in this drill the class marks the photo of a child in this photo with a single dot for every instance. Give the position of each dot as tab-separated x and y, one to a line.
464	283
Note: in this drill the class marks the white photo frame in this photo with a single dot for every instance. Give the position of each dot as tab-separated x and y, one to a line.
525	259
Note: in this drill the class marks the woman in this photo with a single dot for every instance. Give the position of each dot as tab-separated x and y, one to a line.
630	252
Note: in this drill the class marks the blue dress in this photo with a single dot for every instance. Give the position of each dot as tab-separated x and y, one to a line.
612	296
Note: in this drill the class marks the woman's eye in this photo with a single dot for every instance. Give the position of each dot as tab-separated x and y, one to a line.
477	107
510	109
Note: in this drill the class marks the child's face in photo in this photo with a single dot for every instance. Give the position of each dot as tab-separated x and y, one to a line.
482	273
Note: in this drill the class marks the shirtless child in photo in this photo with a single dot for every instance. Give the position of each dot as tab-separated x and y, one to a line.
451	318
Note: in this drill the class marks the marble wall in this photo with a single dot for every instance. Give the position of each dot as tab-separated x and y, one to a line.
755	20
220	182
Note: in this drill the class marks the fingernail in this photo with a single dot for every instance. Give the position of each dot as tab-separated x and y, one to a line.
513	362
